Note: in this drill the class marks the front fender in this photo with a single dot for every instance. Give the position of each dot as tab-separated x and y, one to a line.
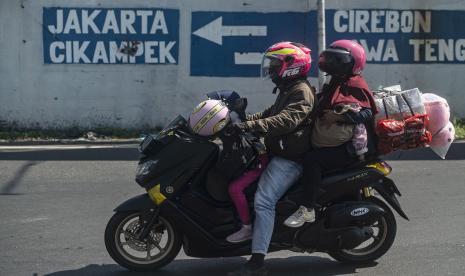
138	203
388	190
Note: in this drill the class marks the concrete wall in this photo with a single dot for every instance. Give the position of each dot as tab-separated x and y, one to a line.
37	94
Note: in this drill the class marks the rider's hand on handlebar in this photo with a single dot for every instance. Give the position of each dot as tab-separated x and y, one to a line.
237	128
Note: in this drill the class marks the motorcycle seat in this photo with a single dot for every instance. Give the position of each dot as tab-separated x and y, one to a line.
354	166
335	176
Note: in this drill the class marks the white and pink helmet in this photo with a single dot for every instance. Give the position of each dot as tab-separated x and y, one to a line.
343	57
209	117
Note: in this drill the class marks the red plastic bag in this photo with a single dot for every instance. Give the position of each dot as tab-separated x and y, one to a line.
408	134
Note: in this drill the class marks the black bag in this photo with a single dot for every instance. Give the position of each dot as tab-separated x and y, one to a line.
237	156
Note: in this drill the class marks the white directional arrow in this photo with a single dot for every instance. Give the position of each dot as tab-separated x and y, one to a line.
214	31
248	58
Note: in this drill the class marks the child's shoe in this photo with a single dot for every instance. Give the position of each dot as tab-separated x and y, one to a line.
242	235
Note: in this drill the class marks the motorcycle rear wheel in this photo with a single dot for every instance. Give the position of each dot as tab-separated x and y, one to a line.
162	246
382	241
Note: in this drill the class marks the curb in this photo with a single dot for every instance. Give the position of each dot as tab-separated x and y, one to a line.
94	142
70	142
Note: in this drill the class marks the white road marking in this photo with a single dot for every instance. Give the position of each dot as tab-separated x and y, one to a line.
29	220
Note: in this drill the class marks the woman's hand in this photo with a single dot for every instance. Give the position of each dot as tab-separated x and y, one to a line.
330	117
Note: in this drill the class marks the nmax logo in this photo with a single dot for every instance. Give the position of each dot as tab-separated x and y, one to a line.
291	72
359	212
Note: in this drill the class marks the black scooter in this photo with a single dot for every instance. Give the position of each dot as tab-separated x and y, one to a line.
184	207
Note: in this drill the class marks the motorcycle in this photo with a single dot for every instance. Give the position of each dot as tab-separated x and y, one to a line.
183	207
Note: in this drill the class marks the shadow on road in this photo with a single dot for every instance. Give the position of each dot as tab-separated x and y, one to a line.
123	154
296	266
16	180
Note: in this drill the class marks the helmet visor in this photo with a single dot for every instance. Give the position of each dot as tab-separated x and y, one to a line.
270	68
336	61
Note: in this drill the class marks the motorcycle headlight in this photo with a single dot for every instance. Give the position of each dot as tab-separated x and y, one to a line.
143	170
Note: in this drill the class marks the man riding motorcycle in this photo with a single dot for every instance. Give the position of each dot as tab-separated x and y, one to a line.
186	206
286	138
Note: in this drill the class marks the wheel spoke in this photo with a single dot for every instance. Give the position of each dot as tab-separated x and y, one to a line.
131	235
159	248
148	252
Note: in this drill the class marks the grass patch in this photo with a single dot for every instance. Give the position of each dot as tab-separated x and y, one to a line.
73	133
459	125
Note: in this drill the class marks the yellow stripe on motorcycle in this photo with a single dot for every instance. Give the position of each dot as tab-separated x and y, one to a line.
155	195
381	167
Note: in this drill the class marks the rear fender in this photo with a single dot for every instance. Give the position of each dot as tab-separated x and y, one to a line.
388	190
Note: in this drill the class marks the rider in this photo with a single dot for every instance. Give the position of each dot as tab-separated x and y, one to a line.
286	138
344	61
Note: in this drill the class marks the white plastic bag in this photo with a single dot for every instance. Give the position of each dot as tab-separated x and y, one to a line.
392	108
404	108
398	105
381	115
414	99
442	140
393	88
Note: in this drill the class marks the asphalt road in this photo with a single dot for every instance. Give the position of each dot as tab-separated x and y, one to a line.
55	204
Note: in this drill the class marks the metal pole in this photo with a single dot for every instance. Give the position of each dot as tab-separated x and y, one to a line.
321	37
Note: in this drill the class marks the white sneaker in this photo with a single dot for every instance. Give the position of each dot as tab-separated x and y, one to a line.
301	216
242	235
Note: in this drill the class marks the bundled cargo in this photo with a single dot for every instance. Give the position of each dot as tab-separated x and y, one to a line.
402	135
409	119
401	119
398	105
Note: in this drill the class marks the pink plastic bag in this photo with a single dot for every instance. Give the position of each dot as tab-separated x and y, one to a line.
442	140
438	112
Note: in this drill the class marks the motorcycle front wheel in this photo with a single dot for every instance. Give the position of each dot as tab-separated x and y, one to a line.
384	233
160	247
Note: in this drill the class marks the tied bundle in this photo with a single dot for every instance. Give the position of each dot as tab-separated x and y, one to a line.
409	119
408	134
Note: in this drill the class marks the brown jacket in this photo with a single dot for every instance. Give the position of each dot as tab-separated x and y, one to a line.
285	123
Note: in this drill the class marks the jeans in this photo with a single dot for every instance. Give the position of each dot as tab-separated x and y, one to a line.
277	178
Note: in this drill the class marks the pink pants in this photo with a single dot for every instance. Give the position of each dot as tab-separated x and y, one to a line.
237	187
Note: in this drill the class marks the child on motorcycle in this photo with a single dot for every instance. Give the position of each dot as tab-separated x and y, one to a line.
236	192
237	106
360	136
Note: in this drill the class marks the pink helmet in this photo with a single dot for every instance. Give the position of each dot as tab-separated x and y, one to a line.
343	57
209	117
286	60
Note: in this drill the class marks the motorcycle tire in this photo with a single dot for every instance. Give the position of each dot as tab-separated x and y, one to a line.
119	254
353	256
